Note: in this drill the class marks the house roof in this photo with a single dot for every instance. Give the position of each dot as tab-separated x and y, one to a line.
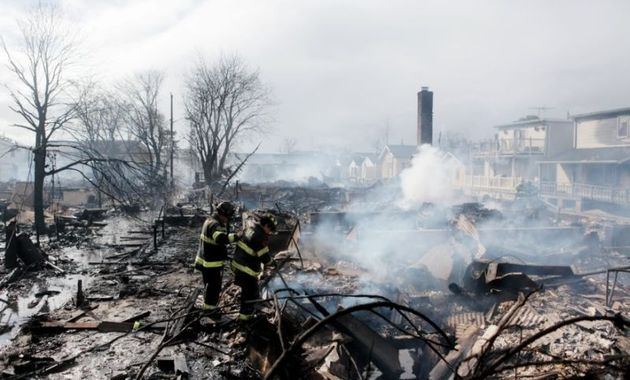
402	151
117	147
372	157
616	155
358	158
603	114
532	120
107	148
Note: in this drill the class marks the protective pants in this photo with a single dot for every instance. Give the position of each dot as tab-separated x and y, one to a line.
212	286
249	292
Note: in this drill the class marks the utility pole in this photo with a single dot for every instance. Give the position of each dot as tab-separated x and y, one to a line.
172	142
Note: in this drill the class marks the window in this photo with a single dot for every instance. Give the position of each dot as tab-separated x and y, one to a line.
623	124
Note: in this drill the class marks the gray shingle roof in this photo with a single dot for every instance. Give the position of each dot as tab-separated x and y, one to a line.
603	114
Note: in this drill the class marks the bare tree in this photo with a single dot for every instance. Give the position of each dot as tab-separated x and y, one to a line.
100	114
125	135
224	102
99	135
40	66
147	126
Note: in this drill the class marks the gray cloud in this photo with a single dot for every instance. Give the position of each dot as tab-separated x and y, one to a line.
340	69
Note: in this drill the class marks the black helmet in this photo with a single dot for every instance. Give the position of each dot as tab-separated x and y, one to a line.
268	220
225	209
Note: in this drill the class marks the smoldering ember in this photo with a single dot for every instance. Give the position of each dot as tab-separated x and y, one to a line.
162	237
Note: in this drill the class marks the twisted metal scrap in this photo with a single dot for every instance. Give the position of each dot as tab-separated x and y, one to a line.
332	317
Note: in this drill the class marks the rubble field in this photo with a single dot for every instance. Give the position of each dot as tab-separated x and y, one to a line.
462	292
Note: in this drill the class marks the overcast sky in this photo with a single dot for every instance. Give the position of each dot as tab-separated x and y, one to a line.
341	70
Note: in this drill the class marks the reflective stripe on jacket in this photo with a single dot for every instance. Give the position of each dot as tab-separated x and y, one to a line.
252	251
213	240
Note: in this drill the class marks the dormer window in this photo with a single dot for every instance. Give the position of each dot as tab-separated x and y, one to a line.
623	126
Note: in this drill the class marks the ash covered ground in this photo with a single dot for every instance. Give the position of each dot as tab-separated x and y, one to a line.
433	291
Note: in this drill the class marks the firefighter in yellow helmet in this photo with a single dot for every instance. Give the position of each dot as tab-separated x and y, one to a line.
212	252
251	253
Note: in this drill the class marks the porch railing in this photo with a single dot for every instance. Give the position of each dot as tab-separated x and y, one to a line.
600	193
500	184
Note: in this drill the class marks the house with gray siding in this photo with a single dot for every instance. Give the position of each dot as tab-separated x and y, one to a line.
595	173
499	165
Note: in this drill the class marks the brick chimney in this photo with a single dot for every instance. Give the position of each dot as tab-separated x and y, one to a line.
425	116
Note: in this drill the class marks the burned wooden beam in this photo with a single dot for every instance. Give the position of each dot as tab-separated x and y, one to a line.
443	370
80	314
371	345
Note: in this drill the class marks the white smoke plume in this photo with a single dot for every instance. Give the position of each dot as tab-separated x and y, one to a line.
430	178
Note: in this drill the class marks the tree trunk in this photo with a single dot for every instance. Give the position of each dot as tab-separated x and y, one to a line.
38	189
99	193
207	174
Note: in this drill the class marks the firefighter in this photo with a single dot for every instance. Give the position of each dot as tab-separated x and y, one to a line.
212	252
251	253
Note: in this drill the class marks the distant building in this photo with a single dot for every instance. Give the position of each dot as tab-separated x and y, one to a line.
62	153
511	158
364	168
74	197
265	167
395	158
595	172
297	166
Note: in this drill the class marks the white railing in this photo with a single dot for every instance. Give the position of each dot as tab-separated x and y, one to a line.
587	191
491	184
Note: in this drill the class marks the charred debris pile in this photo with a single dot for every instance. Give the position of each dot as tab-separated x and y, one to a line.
362	289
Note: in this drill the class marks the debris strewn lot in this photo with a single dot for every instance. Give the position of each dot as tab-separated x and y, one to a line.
326	310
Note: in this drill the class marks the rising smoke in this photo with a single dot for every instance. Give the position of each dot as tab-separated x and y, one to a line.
429	179
388	244
416	236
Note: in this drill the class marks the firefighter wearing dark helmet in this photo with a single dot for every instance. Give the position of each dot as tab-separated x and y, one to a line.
212	252
251	253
